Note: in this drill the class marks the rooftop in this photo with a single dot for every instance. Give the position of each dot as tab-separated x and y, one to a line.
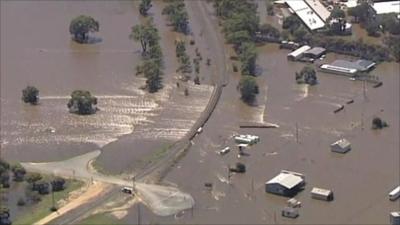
318	8
320	191
288	180
343	143
395	214
360	64
300	50
306	14
387	7
316	50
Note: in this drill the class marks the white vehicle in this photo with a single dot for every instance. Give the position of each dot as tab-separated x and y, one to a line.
224	151
200	130
127	190
394	194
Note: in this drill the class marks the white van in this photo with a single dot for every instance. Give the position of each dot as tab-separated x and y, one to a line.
394	194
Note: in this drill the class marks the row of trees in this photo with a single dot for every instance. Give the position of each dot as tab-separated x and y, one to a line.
151	67
177	15
81	102
240	25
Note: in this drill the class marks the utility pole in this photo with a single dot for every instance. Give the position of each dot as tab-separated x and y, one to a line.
138	218
297	133
364	90
52	199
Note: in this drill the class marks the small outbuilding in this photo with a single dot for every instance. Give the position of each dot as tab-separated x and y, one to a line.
290	212
298	53
286	183
321	194
395	218
315	53
341	146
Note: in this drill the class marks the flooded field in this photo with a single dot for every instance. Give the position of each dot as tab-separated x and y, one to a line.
360	179
40	53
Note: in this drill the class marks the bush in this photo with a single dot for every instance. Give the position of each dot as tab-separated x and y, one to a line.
82	103
30	95
378	123
21	202
307	75
33	177
19	172
58	184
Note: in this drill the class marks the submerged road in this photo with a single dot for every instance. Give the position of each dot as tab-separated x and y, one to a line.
155	172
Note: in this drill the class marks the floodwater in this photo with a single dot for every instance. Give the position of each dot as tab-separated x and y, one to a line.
360	179
36	50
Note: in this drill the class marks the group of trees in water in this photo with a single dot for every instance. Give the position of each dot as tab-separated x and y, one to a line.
307	76
81	102
147	35
177	15
240	24
36	186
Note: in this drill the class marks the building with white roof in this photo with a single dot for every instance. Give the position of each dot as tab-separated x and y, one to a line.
386	7
395	218
298	53
309	17
319	9
286	183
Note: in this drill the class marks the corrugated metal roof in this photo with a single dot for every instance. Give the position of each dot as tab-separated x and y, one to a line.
299	51
343	143
306	14
316	50
318	8
287	180
387	7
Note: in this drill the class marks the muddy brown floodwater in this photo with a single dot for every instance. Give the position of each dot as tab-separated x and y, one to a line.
360	179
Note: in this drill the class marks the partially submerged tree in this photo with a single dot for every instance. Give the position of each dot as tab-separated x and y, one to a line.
248	56
248	88
144	7
307	76
81	26
147	35
378	123
153	74
82	103
177	15
30	95
19	172
58	184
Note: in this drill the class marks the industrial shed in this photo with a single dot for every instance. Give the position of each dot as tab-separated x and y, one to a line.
315	52
286	183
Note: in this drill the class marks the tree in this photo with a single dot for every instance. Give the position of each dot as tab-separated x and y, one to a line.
291	23
147	35
248	56
5	179
248	88
373	29
180	48
390	23
155	54
32	178
270	7
378	123
307	75
42	187
81	26
177	16
337	13
186	66
300	35
30	95
5	216
269	31
58	184
152	72
144	7
362	13
19	172
236	38
82	103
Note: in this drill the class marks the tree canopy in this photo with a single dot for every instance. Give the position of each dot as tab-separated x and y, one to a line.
153	74
30	95
144	7
81	26
307	76
177	15
147	34
248	88
82	103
